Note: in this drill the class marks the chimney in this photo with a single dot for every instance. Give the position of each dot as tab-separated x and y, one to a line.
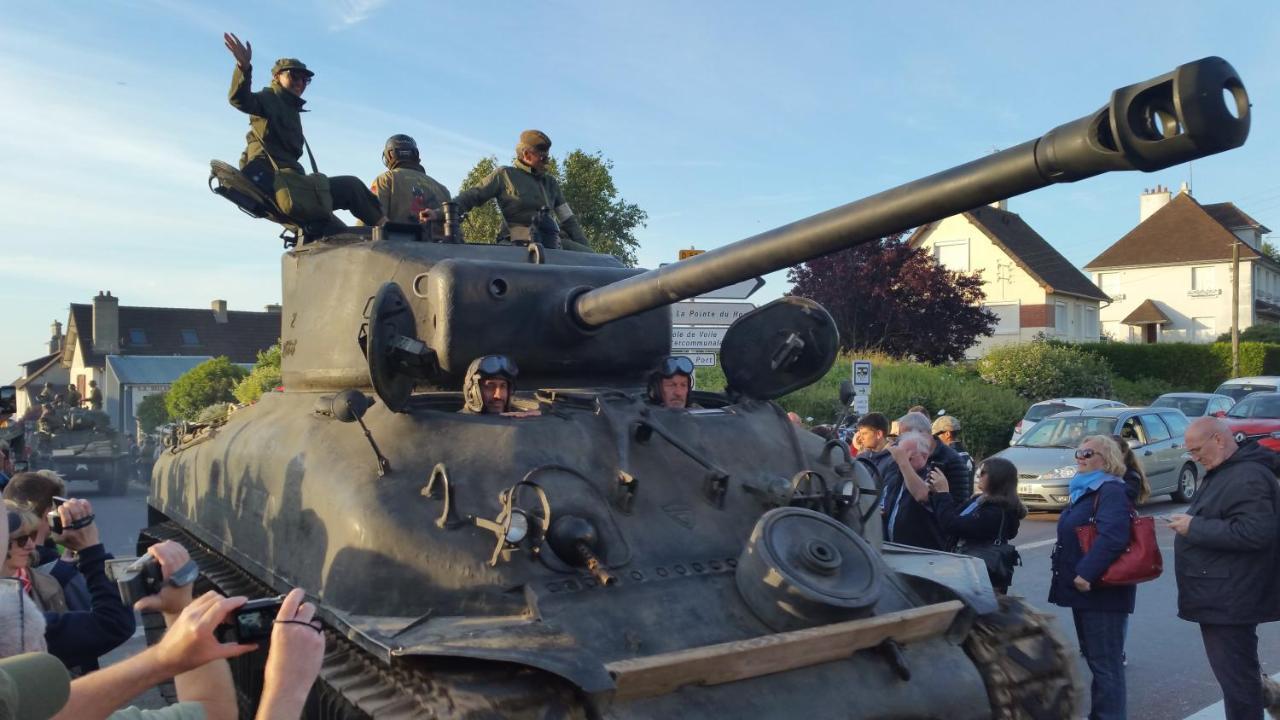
219	311
55	337
273	309
106	323
1152	200
1001	205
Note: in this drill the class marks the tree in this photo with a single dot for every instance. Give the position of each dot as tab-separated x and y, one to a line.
212	381
152	412
1270	250
264	377
1255	333
1040	369
608	221
887	296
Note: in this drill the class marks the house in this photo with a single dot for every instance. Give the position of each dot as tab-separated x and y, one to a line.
1170	276
1029	285
46	369
132	352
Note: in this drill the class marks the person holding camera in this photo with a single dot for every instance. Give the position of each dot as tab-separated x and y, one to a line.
991	516
941	455
908	514
76	637
39	491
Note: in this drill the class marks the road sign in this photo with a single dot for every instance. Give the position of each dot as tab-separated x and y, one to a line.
687	253
708	313
702	359
861	373
696	338
862	404
737	291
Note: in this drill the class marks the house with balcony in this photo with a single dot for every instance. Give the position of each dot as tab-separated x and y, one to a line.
1170	277
1029	285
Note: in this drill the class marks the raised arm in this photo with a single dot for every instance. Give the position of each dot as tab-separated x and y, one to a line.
241	95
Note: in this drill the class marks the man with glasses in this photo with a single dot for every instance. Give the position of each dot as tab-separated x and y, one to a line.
1227	559
671	382
275	131
531	202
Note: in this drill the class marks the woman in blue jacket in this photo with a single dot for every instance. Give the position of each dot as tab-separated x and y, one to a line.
1100	613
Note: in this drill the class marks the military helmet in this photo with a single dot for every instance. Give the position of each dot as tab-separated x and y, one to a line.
671	365
399	148
483	367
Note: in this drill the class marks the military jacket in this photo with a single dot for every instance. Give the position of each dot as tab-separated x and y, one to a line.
276	116
520	194
406	191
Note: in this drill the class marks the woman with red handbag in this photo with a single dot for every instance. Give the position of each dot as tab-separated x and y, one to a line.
1100	613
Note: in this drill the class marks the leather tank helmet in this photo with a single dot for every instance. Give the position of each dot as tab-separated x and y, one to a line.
482	368
672	365
400	149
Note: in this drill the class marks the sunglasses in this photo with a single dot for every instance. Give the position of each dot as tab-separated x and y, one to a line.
299	77
21	540
1085	454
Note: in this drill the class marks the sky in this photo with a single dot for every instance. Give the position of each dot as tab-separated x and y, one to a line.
722	119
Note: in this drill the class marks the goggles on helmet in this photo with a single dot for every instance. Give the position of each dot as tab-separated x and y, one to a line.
676	364
497	365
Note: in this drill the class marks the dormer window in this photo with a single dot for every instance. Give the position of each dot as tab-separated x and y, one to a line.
137	336
189	337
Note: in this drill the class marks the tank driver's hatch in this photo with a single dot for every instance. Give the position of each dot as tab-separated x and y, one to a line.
779	348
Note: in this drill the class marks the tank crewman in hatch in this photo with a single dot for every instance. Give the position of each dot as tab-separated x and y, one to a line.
532	204
405	189
95	396
488	386
671	382
276	117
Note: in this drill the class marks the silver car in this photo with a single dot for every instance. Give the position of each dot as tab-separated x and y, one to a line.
1045	408
1045	455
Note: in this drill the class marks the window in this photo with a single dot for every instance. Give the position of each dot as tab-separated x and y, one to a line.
1009	322
1204	329
189	337
1156	429
953	255
1177	424
1202	278
1109	283
1090	330
1060	318
137	336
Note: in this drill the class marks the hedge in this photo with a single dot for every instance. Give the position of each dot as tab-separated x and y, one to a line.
1187	366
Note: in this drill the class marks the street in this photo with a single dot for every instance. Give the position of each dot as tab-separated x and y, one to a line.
1168	676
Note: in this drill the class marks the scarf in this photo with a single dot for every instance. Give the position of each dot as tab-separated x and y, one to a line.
24	576
1087	481
973	505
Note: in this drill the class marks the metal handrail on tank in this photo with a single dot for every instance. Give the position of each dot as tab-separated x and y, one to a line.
1199	109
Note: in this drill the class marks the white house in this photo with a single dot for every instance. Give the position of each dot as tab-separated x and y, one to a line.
1029	285
1170	277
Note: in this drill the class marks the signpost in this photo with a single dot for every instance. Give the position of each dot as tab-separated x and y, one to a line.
862	386
687	253
698	326
708	313
702	359
696	338
737	291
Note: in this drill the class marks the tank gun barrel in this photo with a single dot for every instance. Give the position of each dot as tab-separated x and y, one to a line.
1199	109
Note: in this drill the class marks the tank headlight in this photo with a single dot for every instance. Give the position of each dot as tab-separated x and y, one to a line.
517	527
1062	473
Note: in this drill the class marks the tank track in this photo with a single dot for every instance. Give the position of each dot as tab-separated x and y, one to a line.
1029	671
354	685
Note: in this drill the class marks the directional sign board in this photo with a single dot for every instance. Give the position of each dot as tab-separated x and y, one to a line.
687	253
737	291
696	338
862	404
708	313
702	359
861	373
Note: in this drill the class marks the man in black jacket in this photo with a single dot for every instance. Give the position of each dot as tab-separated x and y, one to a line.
1227	559
941	456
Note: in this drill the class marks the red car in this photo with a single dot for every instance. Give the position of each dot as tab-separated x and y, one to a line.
1257	417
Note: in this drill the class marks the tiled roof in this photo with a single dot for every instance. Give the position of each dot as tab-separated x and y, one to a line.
1148	313
1031	252
1183	231
165	331
1232	217
155	370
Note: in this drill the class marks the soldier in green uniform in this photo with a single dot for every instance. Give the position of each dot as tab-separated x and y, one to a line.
405	189
532	204
73	396
95	396
275	132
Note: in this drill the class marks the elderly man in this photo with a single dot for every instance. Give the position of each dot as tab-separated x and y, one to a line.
671	382
905	507
952	464
1227	559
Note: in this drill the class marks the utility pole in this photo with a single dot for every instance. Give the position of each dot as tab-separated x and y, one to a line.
1235	308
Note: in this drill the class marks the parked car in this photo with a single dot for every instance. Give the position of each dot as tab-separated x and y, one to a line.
1195	405
1238	388
1045	455
1045	408
1257	417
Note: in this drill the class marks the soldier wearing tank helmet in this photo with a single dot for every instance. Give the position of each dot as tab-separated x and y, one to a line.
275	137
671	382
488	385
532	204
405	189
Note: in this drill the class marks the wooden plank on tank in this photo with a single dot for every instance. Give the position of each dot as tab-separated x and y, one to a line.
742	659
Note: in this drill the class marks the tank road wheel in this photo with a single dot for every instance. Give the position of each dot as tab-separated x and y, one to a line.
1027	668
1186	484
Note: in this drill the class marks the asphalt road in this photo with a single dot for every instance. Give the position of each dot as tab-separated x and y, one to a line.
1168	676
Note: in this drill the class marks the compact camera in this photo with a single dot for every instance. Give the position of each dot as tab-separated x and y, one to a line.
251	622
140	577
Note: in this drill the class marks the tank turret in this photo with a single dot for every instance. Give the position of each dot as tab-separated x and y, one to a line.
606	556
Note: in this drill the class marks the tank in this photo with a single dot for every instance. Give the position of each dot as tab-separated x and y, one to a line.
80	444
609	558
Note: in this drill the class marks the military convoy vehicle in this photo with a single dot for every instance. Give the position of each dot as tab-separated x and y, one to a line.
610	558
82	445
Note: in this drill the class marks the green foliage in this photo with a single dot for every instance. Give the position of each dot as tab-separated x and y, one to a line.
264	377
152	412
1269	249
212	381
1255	333
608	221
1255	359
1187	367
1039	370
1140	392
482	223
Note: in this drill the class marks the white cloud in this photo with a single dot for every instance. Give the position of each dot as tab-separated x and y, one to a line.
350	12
